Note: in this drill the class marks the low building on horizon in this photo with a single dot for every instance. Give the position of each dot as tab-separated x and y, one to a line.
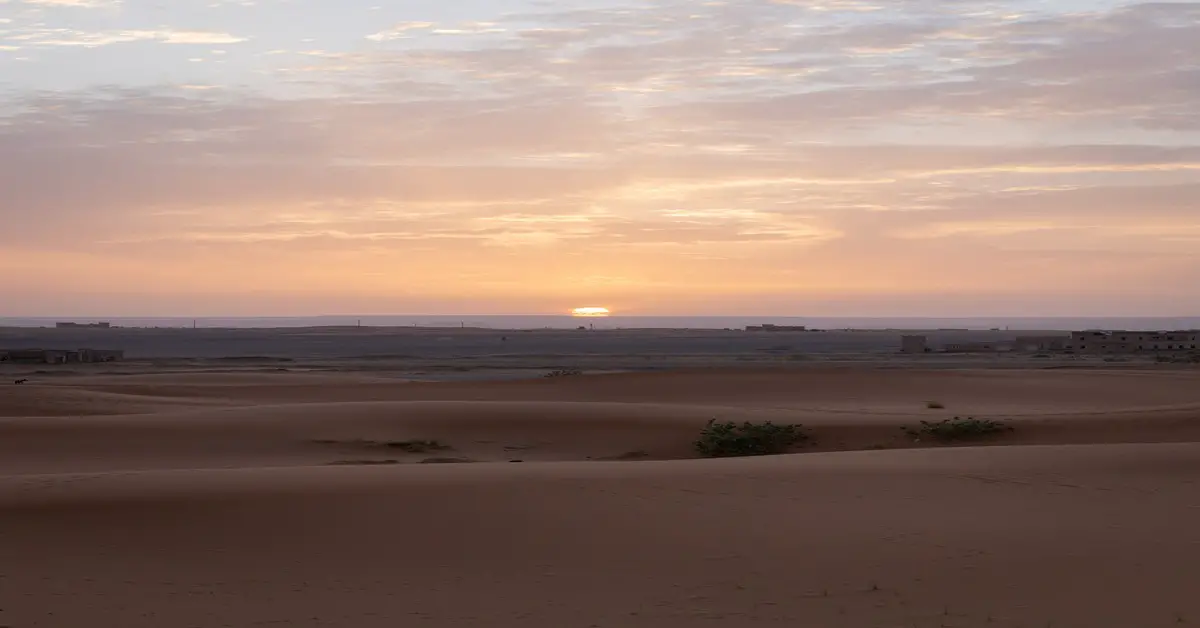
973	347
1098	341
776	328
1041	344
60	356
914	344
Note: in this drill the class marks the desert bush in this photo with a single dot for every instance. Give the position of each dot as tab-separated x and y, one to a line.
958	428
418	446
729	439
935	405
564	373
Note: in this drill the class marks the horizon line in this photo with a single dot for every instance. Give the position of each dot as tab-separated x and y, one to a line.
70	318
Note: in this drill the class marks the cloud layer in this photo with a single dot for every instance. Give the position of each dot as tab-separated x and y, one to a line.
780	156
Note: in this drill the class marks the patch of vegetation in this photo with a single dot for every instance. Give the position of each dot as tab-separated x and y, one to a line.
563	373
935	405
407	446
417	446
629	455
729	439
958	428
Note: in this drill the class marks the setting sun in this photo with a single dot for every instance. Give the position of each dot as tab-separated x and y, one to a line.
590	311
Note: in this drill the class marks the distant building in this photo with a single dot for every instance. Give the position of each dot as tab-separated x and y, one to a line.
776	328
69	325
26	356
60	356
1041	344
972	347
101	355
914	344
1134	341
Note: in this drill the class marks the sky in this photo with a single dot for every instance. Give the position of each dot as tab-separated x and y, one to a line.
781	157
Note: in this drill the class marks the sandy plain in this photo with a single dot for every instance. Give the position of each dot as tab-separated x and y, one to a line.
195	496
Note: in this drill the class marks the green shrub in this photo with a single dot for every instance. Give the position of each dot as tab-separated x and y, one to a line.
724	440
418	446
958	429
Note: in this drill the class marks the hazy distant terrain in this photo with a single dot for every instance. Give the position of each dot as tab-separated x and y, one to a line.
445	343
1015	323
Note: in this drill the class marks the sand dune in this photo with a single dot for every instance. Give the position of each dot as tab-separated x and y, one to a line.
211	500
846	388
1046	536
325	433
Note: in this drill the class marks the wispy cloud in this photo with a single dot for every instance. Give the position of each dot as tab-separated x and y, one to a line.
401	30
84	4
72	37
789	149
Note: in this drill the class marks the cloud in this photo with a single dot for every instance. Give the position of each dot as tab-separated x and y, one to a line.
83	4
400	30
745	147
72	37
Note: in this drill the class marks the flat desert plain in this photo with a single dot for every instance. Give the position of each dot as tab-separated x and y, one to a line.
292	499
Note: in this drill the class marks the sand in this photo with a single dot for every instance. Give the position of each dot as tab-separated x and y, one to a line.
235	499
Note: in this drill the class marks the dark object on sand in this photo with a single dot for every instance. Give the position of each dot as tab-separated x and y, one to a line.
20	381
728	439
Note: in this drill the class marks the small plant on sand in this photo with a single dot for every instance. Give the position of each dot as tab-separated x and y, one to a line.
563	373
729	439
958	428
935	405
418	446
629	455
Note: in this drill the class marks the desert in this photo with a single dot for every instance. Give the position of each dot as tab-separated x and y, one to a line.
599	314
248	496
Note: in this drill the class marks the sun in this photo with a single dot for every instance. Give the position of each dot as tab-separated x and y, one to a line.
590	311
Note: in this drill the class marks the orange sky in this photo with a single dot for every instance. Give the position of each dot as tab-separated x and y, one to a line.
736	157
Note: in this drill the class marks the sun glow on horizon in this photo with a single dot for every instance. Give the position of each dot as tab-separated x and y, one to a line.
590	311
